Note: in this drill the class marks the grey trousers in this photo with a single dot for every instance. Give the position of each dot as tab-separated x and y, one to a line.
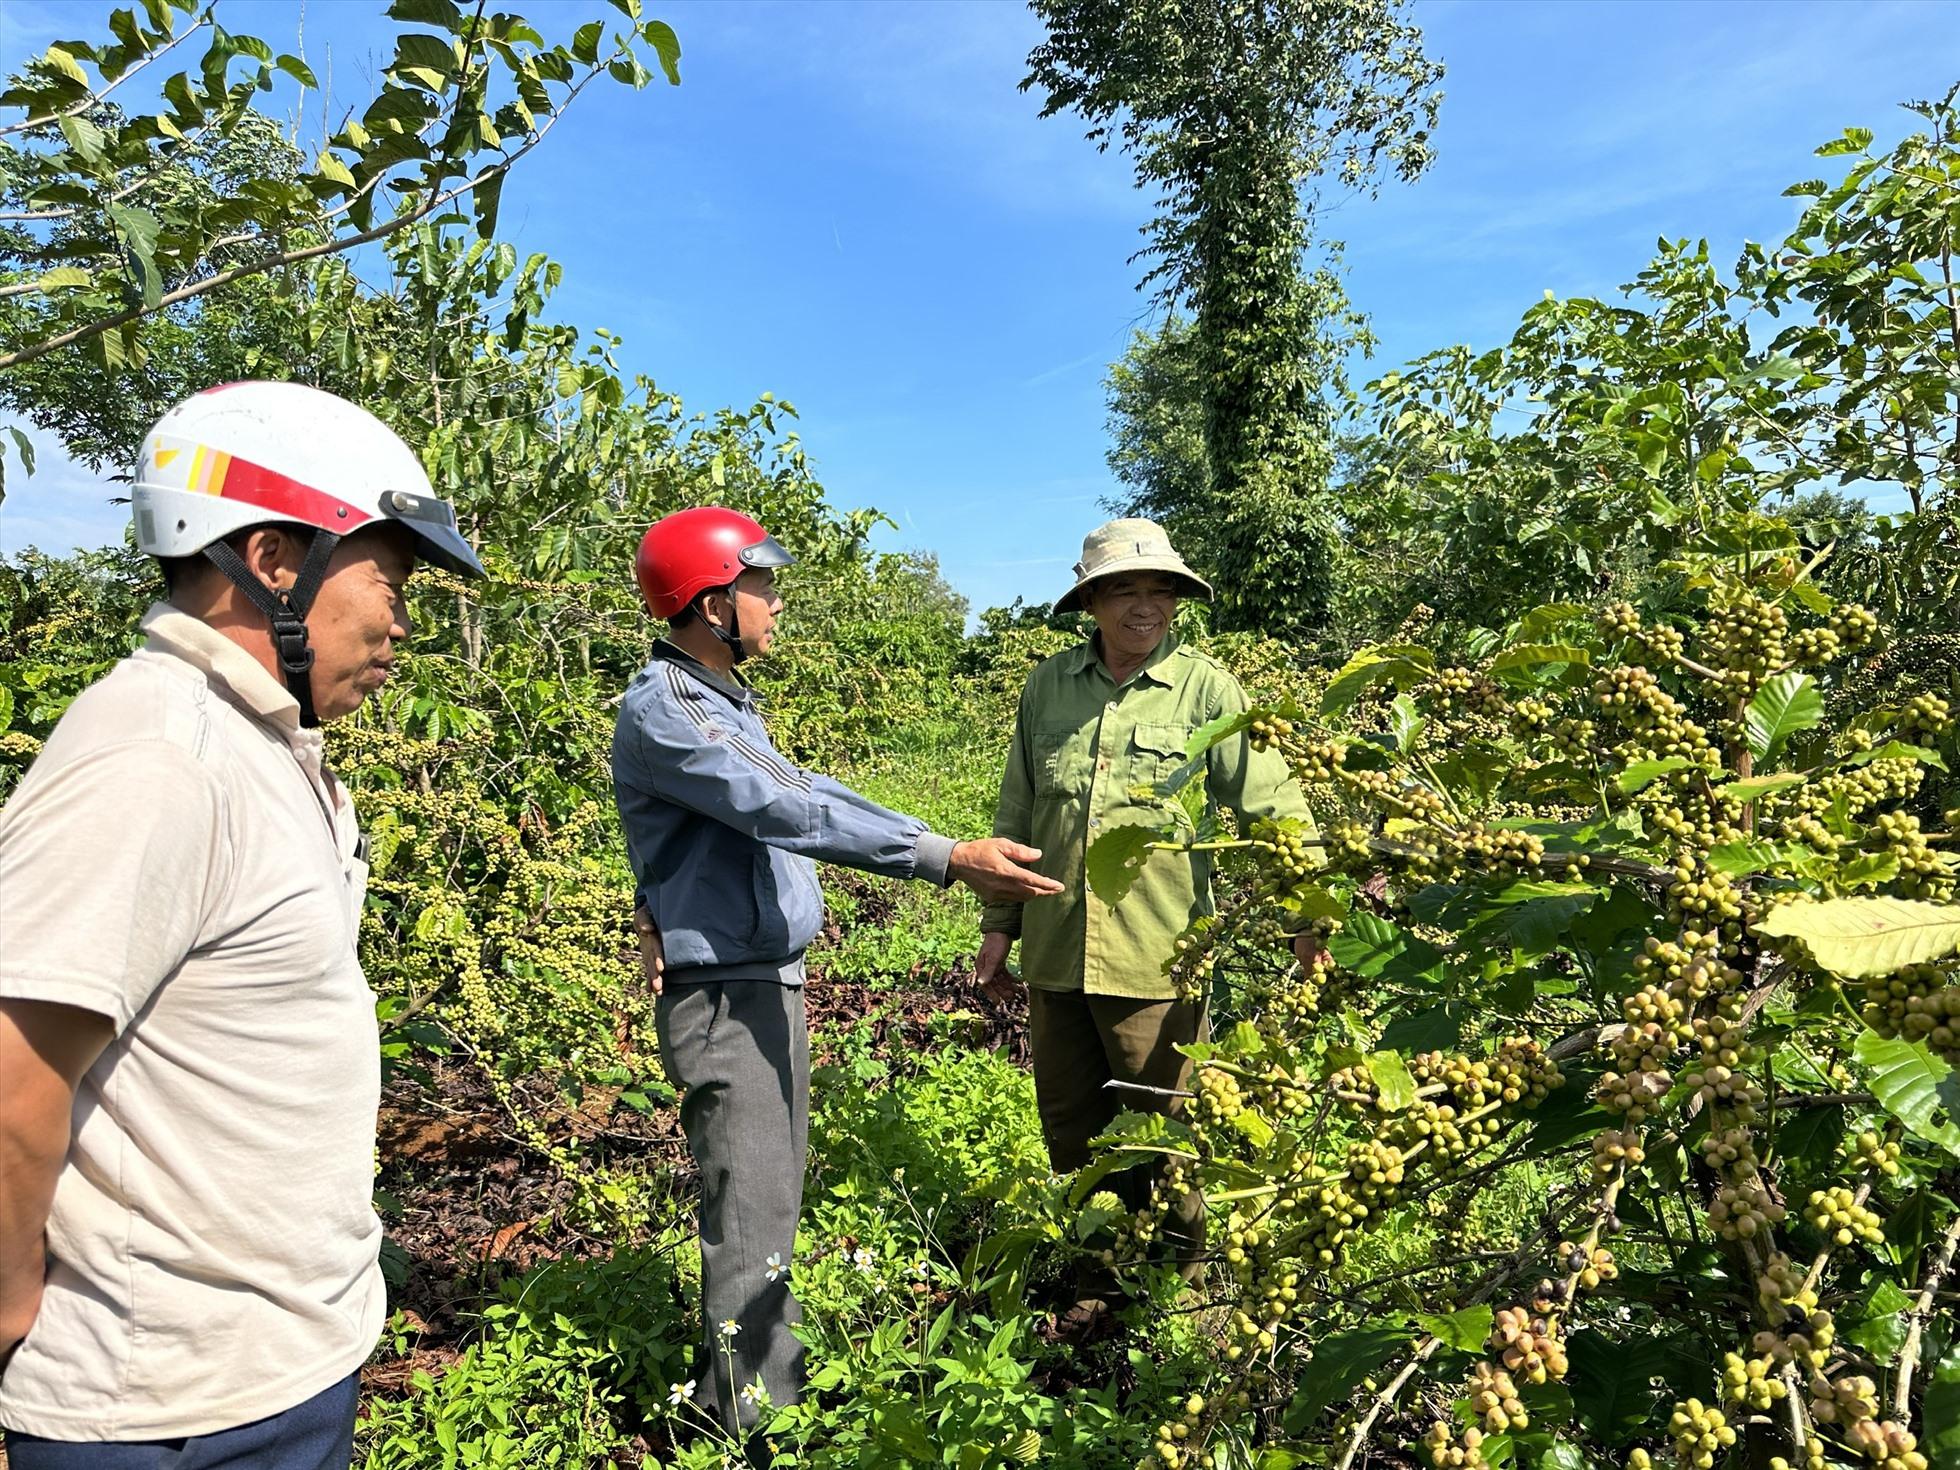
739	1050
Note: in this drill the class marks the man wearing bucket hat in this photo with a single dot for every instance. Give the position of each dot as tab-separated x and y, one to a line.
189	1254
1099	725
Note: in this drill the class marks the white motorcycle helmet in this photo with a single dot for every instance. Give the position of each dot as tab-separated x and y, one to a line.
254	454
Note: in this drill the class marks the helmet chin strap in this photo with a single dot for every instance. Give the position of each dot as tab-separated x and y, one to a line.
732	634
286	611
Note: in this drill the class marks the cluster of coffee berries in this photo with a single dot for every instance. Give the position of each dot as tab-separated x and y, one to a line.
1588	1268
1494	1399
1266	731
1633	1093
1869	1150
1449	1451
1920	1003
1927	714
1618	620
1502	847
1744	1209
1751	1382
1617	1148
1921	872
1529	1347
1854	625
1836	1212
1744	637
1730	1151
1851	1399
1701	1433
1316	761
1886	1445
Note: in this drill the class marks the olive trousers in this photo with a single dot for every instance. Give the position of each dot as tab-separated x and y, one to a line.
1082	1043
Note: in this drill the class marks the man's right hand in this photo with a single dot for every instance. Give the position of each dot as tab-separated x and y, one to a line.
993	868
653	957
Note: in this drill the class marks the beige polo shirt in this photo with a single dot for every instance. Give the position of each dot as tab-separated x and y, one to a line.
179	861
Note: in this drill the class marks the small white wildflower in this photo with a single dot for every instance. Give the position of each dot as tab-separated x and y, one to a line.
681	1393
777	1270
752	1394
730	1327
863	1259
920	1267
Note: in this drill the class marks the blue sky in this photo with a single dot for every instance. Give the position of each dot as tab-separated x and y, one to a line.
851	206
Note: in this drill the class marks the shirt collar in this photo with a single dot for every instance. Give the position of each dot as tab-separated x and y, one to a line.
731	689
1088	658
175	632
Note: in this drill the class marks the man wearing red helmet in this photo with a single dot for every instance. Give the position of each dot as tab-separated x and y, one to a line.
724	834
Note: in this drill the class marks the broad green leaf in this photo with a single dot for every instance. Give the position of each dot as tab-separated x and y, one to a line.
585	42
1115	860
1465	1330
1757	787
1939	1439
1875	1324
1339	1364
1642	774
6	709
298	70
1431	1029
1908	1081
1897	750
1862	937
1404	664
328	166
1786	704
1753	856
1540	621
1369	945
65	275
1913	1226
59	60
667	46
1212	731
1532	655
1612	1382
1396	1087
1405	723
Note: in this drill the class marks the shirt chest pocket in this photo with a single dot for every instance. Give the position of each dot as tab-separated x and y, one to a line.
1060	762
1156	754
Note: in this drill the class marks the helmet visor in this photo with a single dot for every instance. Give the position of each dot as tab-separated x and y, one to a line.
434	523
767	552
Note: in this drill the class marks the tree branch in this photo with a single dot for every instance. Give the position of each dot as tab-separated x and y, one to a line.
94	98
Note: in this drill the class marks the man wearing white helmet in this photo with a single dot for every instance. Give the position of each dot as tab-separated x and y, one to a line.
189	1265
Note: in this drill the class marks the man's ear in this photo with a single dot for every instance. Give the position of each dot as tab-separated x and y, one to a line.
270	555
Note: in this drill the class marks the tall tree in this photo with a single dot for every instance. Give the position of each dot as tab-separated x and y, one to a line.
1233	110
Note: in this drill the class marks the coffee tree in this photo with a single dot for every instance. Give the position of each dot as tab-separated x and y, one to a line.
1638	1013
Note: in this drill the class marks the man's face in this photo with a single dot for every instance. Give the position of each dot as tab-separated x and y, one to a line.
1133	611
758	604
359	616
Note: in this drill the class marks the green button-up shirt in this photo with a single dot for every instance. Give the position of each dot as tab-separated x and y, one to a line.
1085	751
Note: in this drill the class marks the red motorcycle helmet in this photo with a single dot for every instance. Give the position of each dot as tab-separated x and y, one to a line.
694	551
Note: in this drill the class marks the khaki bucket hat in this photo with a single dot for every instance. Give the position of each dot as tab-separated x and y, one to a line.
1130	545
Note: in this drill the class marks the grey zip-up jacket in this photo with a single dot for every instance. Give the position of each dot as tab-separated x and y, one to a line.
724	833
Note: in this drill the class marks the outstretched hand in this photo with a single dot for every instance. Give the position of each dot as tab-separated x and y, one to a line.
997	982
993	868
